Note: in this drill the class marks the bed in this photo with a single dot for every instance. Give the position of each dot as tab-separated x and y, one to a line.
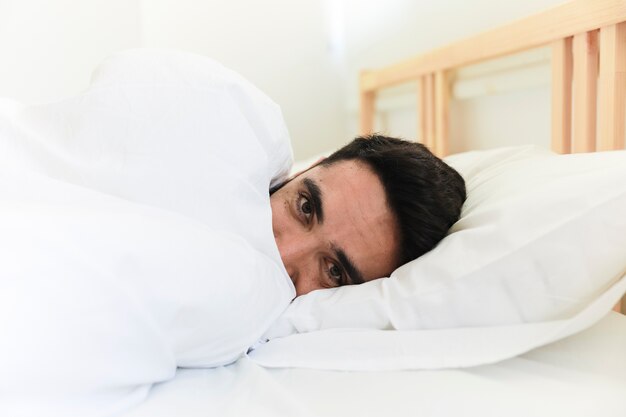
580	375
572	364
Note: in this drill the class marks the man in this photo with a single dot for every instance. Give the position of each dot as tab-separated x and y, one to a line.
368	208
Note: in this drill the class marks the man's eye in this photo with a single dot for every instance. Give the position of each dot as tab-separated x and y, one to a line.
335	273
305	207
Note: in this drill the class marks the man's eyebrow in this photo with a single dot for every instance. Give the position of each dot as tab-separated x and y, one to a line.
355	276
316	198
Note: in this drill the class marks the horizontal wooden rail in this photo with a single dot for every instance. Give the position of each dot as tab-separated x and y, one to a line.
560	22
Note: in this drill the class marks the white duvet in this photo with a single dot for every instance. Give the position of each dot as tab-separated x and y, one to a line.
135	232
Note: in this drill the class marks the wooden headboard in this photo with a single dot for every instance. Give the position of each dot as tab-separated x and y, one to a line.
588	41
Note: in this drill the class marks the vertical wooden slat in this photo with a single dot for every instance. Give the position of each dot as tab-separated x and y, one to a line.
441	114
612	87
421	115
366	113
429	111
562	95
367	109
585	50
426	109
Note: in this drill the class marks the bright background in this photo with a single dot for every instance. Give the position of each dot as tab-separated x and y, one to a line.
305	54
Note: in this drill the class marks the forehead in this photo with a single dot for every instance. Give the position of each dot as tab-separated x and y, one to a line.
357	216
350	174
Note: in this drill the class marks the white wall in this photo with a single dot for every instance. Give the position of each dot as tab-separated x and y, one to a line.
305	54
49	48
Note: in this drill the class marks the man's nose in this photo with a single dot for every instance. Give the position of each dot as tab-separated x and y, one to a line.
297	252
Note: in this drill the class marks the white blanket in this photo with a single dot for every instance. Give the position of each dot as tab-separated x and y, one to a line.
135	233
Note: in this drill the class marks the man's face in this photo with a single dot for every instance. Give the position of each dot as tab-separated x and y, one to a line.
333	227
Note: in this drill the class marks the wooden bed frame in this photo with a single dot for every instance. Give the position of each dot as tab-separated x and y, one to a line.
588	41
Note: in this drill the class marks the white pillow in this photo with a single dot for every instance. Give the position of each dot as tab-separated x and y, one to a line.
389	350
540	237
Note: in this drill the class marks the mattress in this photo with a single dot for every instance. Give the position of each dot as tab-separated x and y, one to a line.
582	375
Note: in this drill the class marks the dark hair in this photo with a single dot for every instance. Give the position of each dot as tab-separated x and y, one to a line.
424	193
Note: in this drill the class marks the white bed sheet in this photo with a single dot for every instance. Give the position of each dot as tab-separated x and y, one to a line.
581	375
